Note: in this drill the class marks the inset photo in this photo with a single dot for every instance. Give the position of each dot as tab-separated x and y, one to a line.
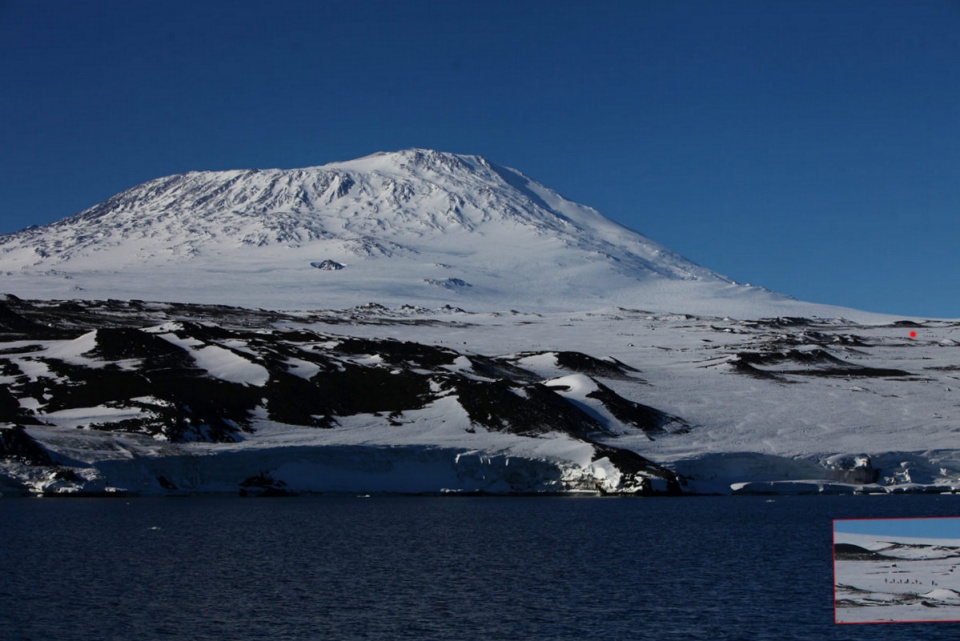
896	570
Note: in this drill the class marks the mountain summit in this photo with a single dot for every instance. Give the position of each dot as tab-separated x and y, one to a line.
409	227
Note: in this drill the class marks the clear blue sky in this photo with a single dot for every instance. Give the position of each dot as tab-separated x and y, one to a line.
809	147
934	528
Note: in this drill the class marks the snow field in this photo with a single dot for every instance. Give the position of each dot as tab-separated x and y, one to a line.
913	579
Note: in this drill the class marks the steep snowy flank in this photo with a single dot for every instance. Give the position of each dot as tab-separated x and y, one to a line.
380	205
410	227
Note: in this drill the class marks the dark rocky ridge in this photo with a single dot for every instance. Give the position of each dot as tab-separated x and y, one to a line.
145	372
851	552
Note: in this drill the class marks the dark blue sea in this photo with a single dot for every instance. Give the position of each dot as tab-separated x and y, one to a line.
423	568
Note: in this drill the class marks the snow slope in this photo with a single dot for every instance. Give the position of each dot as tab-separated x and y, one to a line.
209	397
883	579
137	405
411	227
796	425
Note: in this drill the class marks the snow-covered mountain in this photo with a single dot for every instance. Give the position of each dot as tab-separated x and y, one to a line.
411	227
423	322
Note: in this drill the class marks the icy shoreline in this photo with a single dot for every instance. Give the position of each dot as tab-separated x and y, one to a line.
159	398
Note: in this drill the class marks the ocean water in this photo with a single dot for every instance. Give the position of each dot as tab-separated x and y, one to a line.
226	568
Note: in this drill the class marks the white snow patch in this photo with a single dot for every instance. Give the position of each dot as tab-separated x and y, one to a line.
303	369
222	363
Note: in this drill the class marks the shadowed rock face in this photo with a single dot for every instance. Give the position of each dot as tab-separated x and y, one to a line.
17	445
806	363
850	552
186	374
807	353
651	420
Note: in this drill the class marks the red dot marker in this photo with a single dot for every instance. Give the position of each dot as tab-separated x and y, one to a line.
913	334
